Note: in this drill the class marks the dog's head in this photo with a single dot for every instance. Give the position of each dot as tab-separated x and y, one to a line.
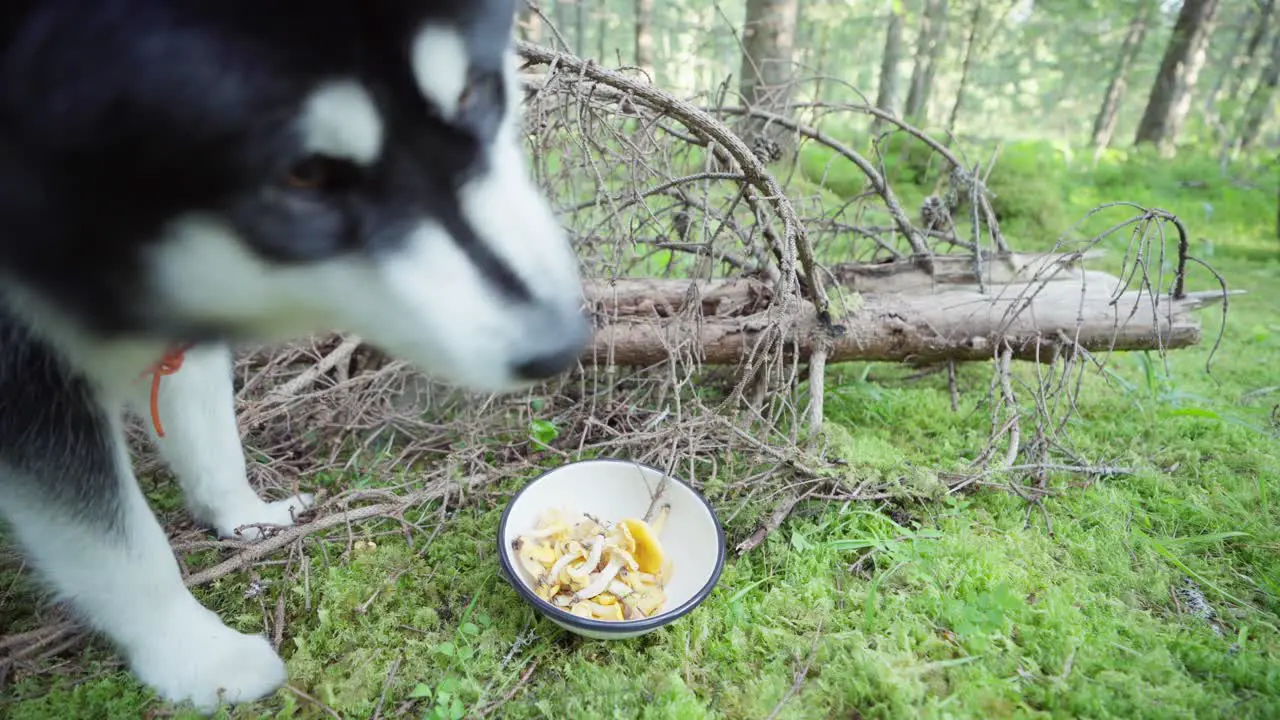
226	168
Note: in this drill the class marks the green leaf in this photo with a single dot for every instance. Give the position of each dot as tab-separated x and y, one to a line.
470	628
748	588
421	690
543	431
447	649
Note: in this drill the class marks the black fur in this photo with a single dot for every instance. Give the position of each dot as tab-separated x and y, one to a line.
54	437
117	115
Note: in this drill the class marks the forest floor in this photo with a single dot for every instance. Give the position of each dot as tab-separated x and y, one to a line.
961	608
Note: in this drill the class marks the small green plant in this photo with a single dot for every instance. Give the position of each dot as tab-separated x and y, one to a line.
442	701
543	432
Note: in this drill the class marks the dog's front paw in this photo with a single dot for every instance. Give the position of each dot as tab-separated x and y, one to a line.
239	524
195	658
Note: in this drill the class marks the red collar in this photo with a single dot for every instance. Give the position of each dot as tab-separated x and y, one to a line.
170	363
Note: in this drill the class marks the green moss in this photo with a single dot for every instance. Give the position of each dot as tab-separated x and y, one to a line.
1026	184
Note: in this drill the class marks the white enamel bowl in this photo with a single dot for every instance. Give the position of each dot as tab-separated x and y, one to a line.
613	490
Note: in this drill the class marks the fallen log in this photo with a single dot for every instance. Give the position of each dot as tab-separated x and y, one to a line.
641	321
910	275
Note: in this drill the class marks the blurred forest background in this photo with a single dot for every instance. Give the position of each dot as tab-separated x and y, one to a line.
1089	72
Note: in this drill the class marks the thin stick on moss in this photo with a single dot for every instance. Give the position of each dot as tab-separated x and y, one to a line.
258	550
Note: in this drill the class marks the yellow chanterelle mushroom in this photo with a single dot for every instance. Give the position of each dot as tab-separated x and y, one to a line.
648	551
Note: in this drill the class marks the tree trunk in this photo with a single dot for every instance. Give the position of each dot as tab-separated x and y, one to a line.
1261	99
644	37
562	15
645	320
1246	63
529	23
933	30
768	40
1184	56
824	54
1104	125
602	33
1233	58
965	66
887	94
579	27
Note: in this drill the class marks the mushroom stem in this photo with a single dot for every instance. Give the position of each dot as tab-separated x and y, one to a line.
660	519
597	547
601	582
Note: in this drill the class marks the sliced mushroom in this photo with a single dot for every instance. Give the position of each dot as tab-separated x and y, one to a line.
547	591
600	582
620	537
593	560
596	569
527	554
627	559
563	562
606	612
647	601
557	528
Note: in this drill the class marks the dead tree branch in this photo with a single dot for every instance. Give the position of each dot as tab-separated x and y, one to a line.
958	323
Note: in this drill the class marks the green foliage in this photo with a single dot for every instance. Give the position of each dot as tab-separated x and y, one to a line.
906	160
1235	212
1026	184
543	431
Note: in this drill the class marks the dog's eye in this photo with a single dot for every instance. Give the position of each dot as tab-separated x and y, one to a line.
309	174
321	173
467	98
482	89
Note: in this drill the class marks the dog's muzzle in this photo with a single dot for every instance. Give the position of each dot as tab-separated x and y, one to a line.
557	339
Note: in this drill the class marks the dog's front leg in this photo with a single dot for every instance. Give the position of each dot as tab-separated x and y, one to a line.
75	506
202	446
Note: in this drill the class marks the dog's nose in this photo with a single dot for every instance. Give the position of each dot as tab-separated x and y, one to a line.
547	366
560	349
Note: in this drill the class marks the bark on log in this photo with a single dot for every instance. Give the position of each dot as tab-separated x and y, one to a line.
907	276
641	320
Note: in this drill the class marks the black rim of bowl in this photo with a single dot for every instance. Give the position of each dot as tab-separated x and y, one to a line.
610	626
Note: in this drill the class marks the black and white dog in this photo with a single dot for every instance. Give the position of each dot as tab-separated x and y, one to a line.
204	172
